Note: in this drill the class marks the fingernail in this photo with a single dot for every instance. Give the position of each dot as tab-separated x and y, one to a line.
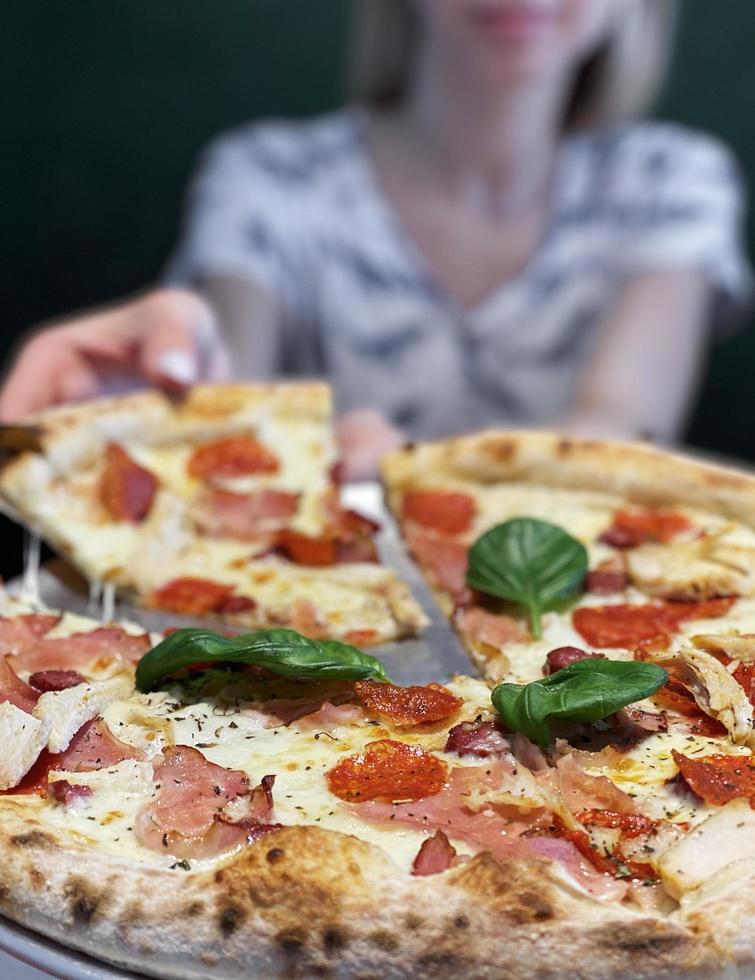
177	365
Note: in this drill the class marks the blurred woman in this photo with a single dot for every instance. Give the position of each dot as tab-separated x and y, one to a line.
483	237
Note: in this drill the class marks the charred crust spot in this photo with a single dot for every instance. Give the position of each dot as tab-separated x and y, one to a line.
133	915
220	876
384	940
229	919
37	878
564	447
413	922
193	909
275	854
647	940
532	907
503	450
34	838
84	902
445	964
333	939
291	941
4	893
460	922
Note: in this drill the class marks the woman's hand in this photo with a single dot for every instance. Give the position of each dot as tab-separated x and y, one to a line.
167	337
363	436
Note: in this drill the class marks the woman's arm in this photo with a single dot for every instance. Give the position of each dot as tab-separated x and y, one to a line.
644	372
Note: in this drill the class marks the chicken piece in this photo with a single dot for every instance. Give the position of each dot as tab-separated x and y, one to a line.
66	711
714	690
22	738
737	646
704	568
726	837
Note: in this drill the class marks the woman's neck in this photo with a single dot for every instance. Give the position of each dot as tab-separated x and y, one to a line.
481	140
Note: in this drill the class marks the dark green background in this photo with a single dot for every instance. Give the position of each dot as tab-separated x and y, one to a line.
107	102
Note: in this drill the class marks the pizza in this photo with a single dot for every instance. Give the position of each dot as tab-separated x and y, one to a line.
224	503
274	804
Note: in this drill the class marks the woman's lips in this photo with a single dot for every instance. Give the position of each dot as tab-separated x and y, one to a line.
513	22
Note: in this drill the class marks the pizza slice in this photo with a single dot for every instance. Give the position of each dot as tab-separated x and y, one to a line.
660	546
224	503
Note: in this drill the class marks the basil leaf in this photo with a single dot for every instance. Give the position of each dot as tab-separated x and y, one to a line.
282	651
530	562
585	691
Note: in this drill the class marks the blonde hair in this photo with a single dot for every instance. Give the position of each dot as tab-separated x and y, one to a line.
619	81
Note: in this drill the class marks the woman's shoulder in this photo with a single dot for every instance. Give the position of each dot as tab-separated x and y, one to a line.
289	152
655	156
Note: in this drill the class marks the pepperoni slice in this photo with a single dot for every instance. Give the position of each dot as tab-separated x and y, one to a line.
624	625
223	459
446	511
744	675
126	488
304	549
407	705
191	596
718	779
630	824
633	528
388	771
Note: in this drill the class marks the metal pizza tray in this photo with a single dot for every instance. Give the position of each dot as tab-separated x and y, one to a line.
437	655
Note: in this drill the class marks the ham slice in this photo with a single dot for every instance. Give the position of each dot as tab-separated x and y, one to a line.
493	828
581	791
103	646
435	855
21	633
13	690
444	560
189	816
478	626
245	517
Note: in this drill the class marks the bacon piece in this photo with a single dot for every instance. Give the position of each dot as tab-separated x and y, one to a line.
221	513
445	511
435	855
633	528
482	738
106	644
581	863
605	583
21	633
610	863
55	680
126	488
387	771
478	626
444	561
674	696
718	779
197	597
187	817
231	456
566	656
624	625
68	793
407	705
13	689
237	604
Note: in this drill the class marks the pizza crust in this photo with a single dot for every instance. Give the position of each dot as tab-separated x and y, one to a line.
638	472
306	901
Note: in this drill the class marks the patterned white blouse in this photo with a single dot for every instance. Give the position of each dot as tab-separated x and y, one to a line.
296	206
